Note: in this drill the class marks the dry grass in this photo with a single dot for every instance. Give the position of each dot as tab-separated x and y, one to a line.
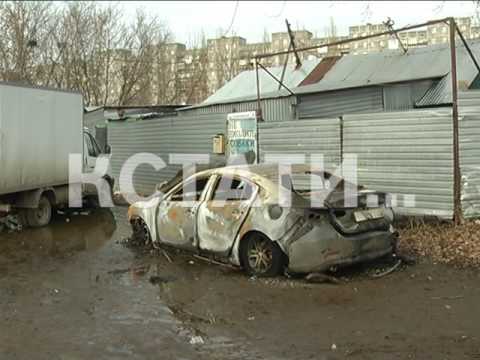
443	242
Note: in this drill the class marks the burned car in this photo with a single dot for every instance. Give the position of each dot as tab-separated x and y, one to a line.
264	220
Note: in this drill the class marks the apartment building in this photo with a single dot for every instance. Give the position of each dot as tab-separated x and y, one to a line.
190	75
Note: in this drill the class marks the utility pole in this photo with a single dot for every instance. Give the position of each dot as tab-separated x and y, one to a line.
292	41
290	46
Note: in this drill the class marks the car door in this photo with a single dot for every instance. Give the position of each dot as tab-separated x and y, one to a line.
221	216
176	215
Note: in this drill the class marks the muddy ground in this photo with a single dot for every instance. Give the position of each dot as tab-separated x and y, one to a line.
72	291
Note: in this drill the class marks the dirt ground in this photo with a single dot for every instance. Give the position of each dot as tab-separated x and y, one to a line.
73	291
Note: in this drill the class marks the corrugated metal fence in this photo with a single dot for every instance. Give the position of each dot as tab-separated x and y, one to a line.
301	137
162	136
408	154
469	111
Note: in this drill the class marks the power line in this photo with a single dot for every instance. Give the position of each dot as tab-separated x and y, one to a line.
233	19
281	11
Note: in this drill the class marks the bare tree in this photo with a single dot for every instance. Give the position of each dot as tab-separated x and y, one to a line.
25	26
197	67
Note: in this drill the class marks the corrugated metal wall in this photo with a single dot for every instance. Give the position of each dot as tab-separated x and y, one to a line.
304	137
400	97
469	124
338	103
162	136
408	154
277	109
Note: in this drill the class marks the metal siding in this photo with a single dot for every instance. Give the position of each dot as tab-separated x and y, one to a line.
39	129
469	111
277	109
405	153
339	103
93	119
301	137
404	96
162	136
438	94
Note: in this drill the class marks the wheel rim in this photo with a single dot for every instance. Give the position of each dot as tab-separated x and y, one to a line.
260	255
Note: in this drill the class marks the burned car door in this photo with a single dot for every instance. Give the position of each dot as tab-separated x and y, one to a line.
221	216
177	212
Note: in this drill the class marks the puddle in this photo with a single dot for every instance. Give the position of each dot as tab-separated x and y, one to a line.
65	236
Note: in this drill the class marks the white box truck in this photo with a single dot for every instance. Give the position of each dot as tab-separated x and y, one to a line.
39	129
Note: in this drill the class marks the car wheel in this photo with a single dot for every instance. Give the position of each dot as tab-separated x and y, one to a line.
141	235
41	215
260	256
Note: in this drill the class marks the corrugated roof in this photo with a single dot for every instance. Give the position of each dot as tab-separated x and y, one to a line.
438	94
320	70
388	66
441	93
244	84
352	71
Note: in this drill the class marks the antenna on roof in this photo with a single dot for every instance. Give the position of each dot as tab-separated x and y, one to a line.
389	24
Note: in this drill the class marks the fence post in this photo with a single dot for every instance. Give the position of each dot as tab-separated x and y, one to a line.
457	209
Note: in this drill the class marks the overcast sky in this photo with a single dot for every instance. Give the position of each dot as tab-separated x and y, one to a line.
187	18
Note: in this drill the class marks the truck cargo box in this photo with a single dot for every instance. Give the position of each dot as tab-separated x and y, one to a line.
39	128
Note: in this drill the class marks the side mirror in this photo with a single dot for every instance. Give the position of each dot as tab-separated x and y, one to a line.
108	149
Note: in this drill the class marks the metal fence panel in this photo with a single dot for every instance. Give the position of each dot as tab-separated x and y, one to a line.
304	138
469	127
407	154
161	136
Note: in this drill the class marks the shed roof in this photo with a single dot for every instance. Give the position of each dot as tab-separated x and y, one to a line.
244	84
393	66
353	71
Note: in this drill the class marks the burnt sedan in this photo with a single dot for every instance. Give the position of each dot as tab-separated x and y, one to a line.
266	221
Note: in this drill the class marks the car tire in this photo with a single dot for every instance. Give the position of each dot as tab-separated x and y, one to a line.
260	256
140	234
41	215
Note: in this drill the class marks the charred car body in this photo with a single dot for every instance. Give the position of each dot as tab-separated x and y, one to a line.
263	220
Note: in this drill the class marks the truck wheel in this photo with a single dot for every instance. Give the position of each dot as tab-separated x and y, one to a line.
41	215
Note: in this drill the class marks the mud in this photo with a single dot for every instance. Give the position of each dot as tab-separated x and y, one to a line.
73	291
